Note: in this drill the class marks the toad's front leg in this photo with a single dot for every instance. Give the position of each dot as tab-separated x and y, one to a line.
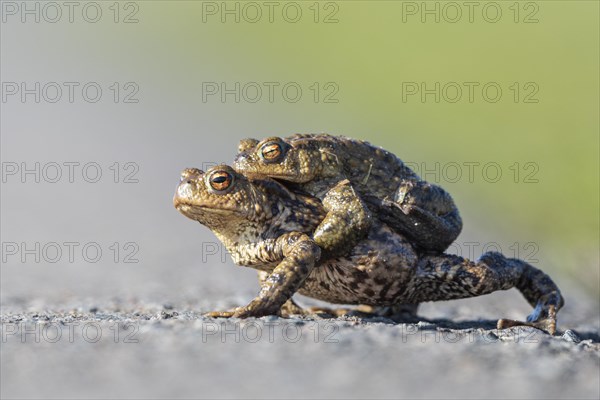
348	220
297	254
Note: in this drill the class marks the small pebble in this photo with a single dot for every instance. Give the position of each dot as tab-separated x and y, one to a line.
571	336
167	315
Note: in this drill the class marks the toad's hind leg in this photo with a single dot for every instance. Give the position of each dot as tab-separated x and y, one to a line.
447	277
425	213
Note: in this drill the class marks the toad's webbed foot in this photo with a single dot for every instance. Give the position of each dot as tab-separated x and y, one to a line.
330	312
546	323
348	220
242	312
535	283
256	308
219	314
288	309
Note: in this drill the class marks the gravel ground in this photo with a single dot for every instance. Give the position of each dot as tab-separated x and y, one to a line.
78	347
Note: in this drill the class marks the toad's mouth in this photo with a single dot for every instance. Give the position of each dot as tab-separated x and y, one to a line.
254	173
200	212
193	208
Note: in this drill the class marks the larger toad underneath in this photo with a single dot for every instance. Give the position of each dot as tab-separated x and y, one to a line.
268	227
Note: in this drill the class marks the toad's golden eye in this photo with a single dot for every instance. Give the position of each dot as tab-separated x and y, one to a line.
271	151
220	180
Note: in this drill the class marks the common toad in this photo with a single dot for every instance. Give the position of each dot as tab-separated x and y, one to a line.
385	188
266	226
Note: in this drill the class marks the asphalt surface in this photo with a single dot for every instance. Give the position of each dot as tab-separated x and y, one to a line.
78	346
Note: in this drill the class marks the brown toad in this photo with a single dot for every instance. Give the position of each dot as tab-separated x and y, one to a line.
385	188
266	226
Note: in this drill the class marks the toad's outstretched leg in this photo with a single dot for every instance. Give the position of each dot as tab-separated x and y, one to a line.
447	277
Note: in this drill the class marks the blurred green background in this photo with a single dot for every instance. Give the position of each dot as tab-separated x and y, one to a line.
375	47
369	53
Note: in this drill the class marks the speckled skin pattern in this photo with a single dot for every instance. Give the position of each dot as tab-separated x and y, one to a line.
266	226
385	187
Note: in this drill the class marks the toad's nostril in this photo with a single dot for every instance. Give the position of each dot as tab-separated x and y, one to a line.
241	159
189	182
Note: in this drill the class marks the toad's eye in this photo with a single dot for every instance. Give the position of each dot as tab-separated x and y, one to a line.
220	180
271	152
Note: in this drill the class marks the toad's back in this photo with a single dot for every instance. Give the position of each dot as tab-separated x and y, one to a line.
371	169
